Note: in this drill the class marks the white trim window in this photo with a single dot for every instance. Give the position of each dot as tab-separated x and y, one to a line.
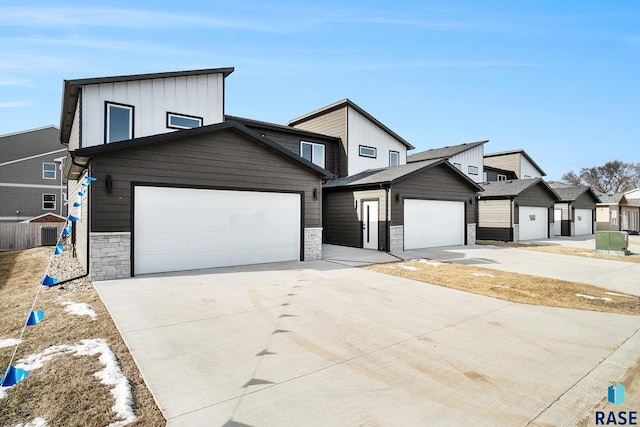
48	202
183	121
473	170
394	158
502	177
457	166
49	170
366	151
313	152
118	122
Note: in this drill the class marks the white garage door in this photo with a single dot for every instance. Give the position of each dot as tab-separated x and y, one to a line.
533	223
431	223
184	229
583	219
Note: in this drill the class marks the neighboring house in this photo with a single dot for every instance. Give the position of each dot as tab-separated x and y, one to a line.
366	143
497	174
30	176
467	158
618	212
514	210
574	213
417	205
322	150
517	161
177	187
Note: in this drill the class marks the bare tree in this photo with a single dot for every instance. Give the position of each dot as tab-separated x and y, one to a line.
612	177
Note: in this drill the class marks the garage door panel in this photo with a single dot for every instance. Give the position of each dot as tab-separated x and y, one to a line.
213	228
433	223
583	220
533	222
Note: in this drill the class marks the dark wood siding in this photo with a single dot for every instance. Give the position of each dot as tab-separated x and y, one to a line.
536	196
585	201
437	183
495	233
341	223
221	160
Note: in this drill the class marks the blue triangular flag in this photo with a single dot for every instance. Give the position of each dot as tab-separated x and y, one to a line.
82	193
72	218
86	184
13	376
59	248
48	280
90	178
35	317
66	231
77	204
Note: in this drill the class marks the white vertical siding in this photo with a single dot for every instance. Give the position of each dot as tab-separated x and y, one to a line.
361	131
472	157
200	96
527	170
74	135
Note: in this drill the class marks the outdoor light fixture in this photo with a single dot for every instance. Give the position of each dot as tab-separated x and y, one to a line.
397	197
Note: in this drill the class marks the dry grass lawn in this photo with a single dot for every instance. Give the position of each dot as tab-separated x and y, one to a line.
64	391
565	250
520	288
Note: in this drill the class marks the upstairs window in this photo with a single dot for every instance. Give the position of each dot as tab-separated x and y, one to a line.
312	152
473	170
49	202
368	151
394	158
119	122
502	177
48	171
183	121
457	166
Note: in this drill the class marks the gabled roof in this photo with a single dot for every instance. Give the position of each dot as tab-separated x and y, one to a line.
518	151
503	171
280	128
444	152
348	103
71	88
610	199
394	174
46	217
570	193
513	187
89	152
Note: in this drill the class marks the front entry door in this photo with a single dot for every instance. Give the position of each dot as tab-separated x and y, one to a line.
370	225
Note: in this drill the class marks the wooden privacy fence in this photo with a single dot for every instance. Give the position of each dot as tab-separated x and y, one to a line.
16	236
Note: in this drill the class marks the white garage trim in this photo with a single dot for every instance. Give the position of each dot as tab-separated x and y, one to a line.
583	220
534	222
433	223
178	228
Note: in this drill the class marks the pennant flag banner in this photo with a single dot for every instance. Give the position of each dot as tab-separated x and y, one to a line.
77	204
66	231
90	178
13	376
59	248
49	281
35	317
72	218
82	193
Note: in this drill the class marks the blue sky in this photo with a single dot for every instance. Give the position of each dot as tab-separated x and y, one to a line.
558	79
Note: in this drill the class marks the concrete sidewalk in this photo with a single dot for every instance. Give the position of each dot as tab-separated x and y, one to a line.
614	275
317	343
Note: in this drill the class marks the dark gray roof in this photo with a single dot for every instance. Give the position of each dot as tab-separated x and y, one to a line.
609	199
444	152
282	128
393	174
513	187
517	151
71	88
348	103
569	193
203	130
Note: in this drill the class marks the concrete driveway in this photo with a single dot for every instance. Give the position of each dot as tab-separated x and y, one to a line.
318	343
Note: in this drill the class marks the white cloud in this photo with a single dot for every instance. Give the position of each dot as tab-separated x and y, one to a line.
14	104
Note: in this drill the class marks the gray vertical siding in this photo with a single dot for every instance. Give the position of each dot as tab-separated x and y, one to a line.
537	195
221	160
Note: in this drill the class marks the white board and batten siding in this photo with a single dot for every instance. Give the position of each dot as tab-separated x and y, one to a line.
471	158
361	131
198	95
527	169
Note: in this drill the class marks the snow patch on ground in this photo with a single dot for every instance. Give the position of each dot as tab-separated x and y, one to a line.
79	309
608	293
429	262
110	375
501	286
36	422
592	297
9	342
483	275
408	267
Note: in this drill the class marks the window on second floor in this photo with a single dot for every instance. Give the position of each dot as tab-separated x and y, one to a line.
49	202
312	152
458	166
48	171
502	177
473	170
118	122
183	121
394	158
368	151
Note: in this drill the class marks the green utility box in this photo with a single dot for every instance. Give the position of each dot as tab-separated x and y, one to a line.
612	242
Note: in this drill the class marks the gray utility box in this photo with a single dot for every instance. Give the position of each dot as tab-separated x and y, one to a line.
612	242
